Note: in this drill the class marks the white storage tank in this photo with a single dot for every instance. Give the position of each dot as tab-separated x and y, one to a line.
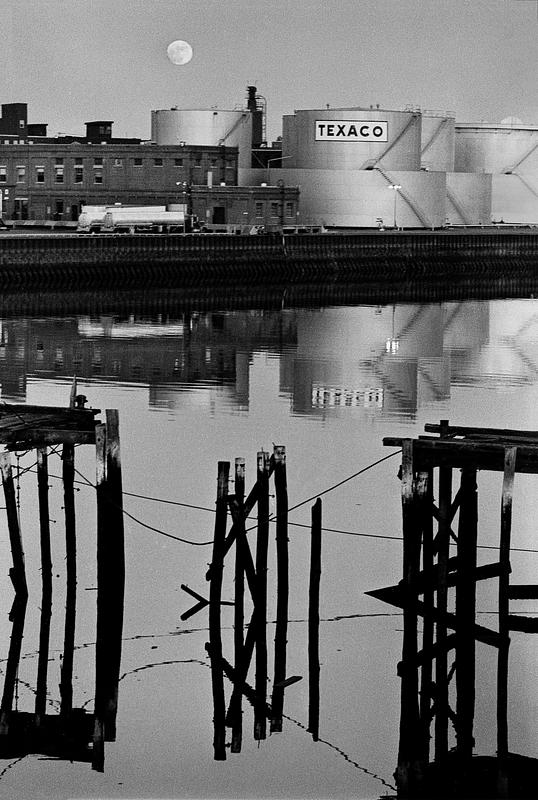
352	139
437	151
506	147
211	127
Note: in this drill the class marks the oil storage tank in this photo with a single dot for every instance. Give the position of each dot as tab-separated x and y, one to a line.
352	138
506	147
509	151
437	146
206	126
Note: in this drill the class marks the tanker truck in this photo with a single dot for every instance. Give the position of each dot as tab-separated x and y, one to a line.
132	219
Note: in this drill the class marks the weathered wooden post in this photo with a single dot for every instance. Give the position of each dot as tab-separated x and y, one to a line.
504	611
313	621
441	665
215	591
260	603
282	592
424	497
236	702
117	558
18	578
46	583
110	582
409	751
466	612
66	683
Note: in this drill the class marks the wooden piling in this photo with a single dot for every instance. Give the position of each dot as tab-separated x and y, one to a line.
116	556
236	709
410	741
46	583
101	672
215	592
260	603
18	578
282	590
504	610
313	621
466	613
441	664
424	498
66	680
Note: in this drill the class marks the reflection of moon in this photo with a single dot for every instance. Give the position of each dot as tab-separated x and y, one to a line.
179	52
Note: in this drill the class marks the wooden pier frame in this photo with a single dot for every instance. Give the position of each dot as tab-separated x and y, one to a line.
72	734
252	573
447	650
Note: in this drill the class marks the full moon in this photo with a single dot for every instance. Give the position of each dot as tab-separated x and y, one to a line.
179	52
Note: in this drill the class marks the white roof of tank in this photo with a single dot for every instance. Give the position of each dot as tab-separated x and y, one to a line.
492	126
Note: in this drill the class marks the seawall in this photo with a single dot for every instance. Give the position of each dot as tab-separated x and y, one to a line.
33	262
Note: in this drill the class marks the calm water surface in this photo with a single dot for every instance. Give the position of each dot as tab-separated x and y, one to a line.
197	388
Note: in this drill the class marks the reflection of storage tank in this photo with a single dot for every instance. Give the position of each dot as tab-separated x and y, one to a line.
502	148
352	138
437	142
209	126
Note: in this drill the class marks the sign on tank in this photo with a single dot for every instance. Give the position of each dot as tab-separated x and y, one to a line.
341	130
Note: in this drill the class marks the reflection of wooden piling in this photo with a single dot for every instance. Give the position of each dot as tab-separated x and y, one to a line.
215	591
504	603
66	683
236	703
282	591
260	603
313	622
18	578
46	583
466	612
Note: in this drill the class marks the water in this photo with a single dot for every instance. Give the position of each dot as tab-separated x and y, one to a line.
196	388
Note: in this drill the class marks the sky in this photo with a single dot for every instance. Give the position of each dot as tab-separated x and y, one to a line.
78	60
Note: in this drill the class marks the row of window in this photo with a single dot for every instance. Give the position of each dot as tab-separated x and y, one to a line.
275	208
139	162
78	174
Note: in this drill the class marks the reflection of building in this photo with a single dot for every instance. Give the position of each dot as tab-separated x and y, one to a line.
368	359
197	350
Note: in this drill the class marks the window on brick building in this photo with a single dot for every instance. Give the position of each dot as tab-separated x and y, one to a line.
79	174
259	209
21	174
98	176
138	162
157	162
178	162
118	162
40	174
58	174
290	208
98	162
3	174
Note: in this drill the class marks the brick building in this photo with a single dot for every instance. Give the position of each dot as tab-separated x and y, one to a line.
45	178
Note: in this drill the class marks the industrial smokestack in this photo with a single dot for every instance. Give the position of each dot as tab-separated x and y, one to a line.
251	98
257	110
